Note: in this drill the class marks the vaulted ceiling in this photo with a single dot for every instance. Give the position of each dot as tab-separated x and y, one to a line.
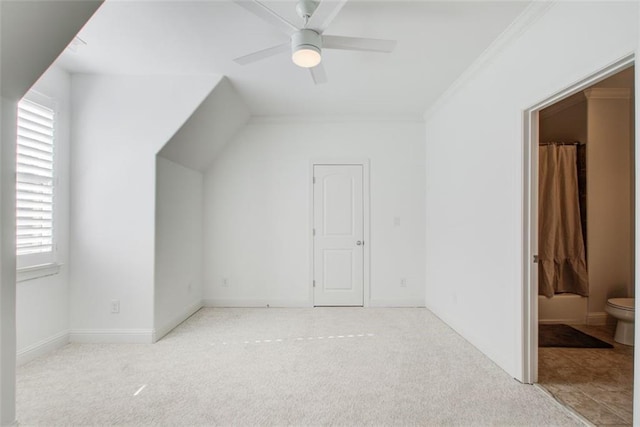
437	41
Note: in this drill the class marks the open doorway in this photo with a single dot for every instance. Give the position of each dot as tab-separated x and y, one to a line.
586	133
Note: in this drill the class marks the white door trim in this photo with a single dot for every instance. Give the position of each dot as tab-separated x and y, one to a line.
529	372
367	220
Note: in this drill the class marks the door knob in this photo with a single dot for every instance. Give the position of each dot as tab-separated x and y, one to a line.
359	243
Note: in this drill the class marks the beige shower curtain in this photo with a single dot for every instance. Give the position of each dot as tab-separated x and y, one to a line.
561	256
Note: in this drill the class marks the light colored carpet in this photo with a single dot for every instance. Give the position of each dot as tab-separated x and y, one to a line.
322	366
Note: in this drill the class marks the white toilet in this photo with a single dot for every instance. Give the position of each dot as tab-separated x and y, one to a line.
623	309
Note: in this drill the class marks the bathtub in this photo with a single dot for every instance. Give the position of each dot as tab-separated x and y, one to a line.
562	308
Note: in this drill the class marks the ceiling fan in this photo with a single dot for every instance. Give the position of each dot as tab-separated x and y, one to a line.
308	40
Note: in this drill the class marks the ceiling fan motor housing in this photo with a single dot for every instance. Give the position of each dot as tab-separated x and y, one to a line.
306	46
306	39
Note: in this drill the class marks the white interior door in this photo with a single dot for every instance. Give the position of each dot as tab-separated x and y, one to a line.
338	245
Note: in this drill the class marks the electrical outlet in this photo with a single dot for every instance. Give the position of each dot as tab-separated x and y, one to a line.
225	282
115	306
403	282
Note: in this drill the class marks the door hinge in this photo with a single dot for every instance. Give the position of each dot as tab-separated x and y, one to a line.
535	259
314	231
314	179
314	283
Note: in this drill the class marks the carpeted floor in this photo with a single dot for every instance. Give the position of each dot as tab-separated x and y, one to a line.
338	366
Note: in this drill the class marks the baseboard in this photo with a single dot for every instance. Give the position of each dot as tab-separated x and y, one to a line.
176	320
397	302
112	336
255	302
597	318
292	303
41	348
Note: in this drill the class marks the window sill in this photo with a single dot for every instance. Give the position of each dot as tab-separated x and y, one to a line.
37	272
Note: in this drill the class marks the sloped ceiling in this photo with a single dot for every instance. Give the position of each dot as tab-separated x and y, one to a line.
33	35
437	41
210	127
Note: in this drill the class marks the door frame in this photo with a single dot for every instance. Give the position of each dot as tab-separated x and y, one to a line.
530	209
366	213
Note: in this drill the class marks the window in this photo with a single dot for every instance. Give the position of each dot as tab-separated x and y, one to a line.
35	180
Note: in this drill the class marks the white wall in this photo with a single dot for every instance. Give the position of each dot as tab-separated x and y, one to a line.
256	196
178	263
24	56
475	168
609	211
7	262
8	106
119	123
179	202
43	304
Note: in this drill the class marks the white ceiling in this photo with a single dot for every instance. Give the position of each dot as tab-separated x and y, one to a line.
437	41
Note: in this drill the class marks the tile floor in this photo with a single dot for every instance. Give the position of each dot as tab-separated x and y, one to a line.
596	383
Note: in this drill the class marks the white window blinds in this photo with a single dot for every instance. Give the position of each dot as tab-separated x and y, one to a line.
35	182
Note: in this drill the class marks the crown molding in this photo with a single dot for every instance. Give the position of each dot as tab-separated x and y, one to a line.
608	93
526	19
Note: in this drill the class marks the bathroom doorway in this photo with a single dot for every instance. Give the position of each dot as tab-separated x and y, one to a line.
585	247
529	365
585	202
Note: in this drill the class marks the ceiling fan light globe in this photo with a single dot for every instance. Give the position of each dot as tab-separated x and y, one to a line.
306	56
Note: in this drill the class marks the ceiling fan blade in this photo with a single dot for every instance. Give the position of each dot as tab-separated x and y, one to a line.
268	15
318	74
262	54
324	14
358	43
